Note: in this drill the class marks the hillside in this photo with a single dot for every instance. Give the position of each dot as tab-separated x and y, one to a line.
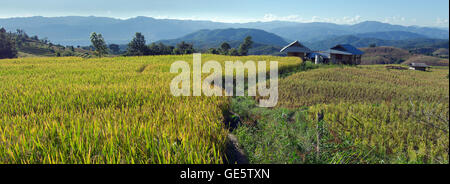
27	46
74	30
392	55
391	35
365	42
265	43
429	60
213	38
384	55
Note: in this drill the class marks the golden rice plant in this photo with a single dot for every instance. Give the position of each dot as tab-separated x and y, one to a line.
108	110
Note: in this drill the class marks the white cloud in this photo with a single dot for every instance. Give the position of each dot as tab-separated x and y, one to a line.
395	20
441	22
297	18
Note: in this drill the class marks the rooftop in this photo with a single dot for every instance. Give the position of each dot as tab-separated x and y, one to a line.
419	65
296	46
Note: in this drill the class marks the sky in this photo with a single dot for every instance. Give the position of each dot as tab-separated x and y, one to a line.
431	13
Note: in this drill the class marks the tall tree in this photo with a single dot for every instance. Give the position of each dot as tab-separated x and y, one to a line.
99	44
137	46
7	46
245	46
224	48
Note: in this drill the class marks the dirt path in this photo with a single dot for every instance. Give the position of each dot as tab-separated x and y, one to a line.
234	153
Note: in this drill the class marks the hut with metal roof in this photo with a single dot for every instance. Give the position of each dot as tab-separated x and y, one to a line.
345	54
296	49
418	66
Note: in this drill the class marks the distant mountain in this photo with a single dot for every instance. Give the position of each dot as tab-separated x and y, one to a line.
213	38
366	42
308	32
264	42
75	30
391	35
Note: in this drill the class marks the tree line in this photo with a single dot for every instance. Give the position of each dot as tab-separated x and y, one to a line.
11	42
138	47
225	48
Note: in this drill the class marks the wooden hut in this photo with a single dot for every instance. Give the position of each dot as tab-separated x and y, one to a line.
296	49
418	66
345	54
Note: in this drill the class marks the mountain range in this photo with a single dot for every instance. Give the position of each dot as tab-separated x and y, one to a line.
75	30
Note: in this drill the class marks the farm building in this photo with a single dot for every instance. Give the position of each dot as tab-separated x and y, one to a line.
318	57
418	66
296	49
345	54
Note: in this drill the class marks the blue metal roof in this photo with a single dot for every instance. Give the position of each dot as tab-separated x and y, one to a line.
346	49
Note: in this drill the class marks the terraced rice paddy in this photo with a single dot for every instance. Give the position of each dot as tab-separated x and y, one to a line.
108	110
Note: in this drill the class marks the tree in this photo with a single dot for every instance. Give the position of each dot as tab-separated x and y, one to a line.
224	48
99	44
233	52
183	48
373	45
137	46
165	50
154	49
213	51
7	45
245	46
114	48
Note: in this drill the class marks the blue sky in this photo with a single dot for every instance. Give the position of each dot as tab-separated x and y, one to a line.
404	12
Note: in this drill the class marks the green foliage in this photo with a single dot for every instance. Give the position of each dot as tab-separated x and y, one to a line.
213	51
284	136
233	52
7	45
160	49
183	48
114	48
224	48
245	46
99	44
137	46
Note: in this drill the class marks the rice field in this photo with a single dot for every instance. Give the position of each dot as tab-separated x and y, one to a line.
108	110
399	116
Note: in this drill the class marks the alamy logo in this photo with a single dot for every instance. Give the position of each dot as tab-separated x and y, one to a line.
234	76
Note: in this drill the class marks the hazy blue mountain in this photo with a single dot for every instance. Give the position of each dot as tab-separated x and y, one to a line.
75	30
213	38
264	42
391	35
308	32
366	42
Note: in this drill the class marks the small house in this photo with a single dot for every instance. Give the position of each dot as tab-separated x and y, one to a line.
296	49
318	57
345	54
418	66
